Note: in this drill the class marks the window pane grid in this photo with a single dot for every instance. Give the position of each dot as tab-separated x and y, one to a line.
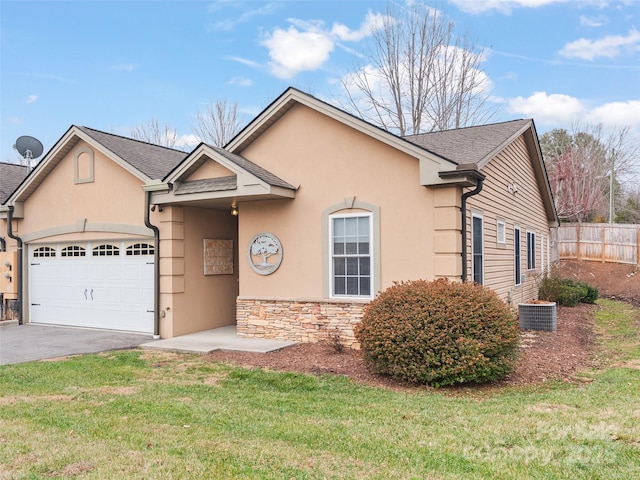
43	252
106	251
351	256
73	251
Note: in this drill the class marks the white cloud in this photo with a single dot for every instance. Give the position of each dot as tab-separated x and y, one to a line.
246	61
598	21
293	51
241	81
557	110
371	23
31	99
504	6
307	44
553	109
188	141
243	12
609	46
617	114
123	67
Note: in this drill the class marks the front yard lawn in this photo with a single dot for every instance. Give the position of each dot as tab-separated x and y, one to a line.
145	414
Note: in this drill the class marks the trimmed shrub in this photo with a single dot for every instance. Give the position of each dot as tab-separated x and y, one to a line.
439	333
566	292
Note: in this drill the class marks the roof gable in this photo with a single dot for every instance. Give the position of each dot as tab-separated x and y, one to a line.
242	180
430	162
154	161
143	160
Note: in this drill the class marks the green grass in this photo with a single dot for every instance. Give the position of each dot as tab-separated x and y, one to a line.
140	414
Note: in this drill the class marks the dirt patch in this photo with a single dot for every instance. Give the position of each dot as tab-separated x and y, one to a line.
613	280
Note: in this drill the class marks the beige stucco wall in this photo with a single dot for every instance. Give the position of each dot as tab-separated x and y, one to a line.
114	197
189	300
523	208
210	169
330	162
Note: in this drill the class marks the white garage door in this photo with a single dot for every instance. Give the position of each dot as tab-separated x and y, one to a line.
98	284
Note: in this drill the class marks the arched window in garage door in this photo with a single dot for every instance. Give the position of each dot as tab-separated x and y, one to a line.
73	251
106	251
44	252
140	249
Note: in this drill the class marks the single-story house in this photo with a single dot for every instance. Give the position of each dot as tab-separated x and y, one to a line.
288	231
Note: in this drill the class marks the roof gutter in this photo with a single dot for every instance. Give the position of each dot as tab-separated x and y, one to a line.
19	273
149	188
465	172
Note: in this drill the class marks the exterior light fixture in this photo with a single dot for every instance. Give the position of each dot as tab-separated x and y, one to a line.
234	210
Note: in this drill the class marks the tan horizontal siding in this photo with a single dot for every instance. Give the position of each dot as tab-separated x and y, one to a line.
523	208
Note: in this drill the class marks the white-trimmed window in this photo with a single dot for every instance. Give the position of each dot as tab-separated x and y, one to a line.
501	232
517	255
531	250
350	238
477	249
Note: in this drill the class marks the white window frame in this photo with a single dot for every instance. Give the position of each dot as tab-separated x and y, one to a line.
370	255
501	232
517	255
479	216
531	250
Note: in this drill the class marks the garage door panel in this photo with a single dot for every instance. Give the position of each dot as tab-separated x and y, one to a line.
106	291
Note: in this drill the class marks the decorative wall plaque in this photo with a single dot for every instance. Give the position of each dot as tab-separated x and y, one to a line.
218	257
264	253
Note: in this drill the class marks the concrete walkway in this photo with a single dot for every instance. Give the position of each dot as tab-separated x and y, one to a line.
223	338
32	342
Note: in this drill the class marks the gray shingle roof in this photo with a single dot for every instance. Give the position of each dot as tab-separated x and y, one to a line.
470	144
207	185
11	176
254	169
152	160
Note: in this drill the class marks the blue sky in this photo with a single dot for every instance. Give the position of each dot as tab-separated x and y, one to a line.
113	65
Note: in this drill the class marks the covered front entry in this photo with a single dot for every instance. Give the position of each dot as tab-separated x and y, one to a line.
97	284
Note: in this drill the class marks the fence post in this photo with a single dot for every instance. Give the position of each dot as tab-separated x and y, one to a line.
603	235
638	246
578	242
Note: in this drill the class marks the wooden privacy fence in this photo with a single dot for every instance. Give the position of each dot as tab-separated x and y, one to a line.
599	241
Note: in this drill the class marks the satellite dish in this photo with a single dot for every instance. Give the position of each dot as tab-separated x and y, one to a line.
29	147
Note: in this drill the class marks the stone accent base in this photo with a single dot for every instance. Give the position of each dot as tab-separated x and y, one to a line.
304	321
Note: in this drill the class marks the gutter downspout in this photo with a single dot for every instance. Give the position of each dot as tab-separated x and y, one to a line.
3	245
475	191
156	266
19	266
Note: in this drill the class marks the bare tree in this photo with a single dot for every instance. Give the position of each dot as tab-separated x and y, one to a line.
152	132
586	168
419	76
218	123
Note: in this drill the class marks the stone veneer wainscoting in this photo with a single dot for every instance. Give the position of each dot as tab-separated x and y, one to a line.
299	320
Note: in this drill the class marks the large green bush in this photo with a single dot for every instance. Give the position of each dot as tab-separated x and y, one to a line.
439	333
566	291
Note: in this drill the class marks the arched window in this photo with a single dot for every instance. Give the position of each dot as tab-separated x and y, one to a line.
140	249
43	252
106	251
73	251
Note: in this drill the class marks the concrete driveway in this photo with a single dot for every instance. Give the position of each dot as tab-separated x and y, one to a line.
28	342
